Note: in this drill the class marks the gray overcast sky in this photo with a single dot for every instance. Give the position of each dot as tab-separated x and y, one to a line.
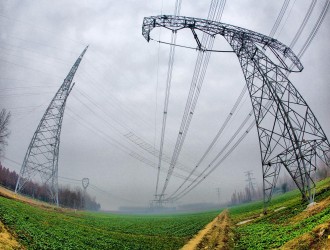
117	91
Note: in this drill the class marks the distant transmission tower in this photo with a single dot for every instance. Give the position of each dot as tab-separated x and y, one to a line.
218	192
250	184
85	183
289	134
41	160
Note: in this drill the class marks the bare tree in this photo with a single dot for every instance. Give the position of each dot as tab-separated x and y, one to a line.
4	130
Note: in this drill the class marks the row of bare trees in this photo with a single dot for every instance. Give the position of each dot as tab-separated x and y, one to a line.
284	184
72	198
76	198
4	130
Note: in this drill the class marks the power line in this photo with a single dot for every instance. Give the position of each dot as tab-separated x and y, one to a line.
286	19
167	92
279	18
303	24
150	149
315	29
215	139
92	85
239	99
100	190
274	29
79	180
113	141
34	26
196	182
130	136
296	37
215	13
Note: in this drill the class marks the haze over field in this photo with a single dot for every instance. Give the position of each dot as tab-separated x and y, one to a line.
120	87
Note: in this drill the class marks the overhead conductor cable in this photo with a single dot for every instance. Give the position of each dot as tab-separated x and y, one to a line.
215	12
198	179
167	93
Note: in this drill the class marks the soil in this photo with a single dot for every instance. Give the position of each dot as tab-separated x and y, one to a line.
318	239
244	222
43	205
216	235
12	195
7	240
312	210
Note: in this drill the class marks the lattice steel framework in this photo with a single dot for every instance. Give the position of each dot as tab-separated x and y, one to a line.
289	134
41	160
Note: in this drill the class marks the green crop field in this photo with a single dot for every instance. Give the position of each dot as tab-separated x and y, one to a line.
44	229
278	227
51	228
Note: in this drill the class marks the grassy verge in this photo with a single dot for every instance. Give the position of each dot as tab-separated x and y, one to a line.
276	228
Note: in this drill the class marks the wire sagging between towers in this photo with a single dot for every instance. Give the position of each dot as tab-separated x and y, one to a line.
215	13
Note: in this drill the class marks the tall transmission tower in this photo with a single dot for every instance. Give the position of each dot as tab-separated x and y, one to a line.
41	160
289	134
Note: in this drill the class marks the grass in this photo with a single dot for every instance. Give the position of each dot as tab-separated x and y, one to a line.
38	228
275	229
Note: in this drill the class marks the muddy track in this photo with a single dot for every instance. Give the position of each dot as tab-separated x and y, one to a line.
7	240
216	235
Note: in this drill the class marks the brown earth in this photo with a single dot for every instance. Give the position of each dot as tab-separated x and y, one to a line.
216	235
7	240
318	239
317	208
219	234
12	195
33	202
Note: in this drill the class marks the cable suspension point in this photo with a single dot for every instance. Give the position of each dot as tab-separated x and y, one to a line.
294	139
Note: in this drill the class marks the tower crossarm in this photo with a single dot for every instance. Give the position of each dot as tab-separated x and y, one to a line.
213	28
289	134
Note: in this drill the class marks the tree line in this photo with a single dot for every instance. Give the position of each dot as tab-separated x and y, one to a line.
284	184
68	197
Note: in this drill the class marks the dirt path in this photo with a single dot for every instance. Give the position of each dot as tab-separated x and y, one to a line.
317	239
317	208
7	241
216	235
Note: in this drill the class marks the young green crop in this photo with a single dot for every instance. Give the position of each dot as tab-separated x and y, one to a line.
275	229
44	229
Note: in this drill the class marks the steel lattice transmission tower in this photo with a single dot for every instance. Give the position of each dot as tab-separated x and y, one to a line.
289	134
41	159
85	184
